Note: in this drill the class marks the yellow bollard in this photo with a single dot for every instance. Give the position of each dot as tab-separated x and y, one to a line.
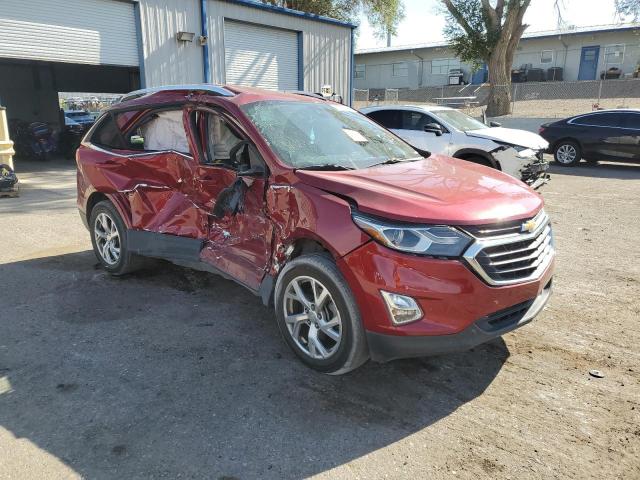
6	145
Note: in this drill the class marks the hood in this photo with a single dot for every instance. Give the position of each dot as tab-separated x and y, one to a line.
435	190
511	136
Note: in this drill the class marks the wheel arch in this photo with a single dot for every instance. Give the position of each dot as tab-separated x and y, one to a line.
97	197
467	153
566	139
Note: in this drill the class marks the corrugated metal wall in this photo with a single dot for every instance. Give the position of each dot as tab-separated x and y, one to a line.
98	32
326	47
167	61
259	56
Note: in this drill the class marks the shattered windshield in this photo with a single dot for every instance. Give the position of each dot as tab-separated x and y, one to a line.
459	120
325	135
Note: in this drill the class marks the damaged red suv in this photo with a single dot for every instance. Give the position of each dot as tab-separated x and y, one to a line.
365	247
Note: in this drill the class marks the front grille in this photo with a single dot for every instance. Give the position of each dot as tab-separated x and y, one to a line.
513	257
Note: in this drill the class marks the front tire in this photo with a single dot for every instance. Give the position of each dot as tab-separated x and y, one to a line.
318	317
567	153
109	240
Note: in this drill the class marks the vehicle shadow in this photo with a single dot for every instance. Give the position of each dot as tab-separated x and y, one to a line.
171	372
619	171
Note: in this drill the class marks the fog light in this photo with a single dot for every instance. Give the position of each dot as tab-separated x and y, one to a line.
402	309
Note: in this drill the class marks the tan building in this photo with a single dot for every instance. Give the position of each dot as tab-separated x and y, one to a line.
582	54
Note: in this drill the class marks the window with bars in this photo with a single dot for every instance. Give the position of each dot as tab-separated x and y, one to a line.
614	54
546	56
441	66
400	69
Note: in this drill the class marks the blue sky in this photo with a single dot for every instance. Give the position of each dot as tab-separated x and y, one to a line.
423	23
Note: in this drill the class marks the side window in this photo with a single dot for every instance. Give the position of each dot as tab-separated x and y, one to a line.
163	130
218	138
600	120
221	139
107	134
630	120
387	118
414	120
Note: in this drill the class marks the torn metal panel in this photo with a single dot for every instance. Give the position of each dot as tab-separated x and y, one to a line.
524	165
304	212
239	240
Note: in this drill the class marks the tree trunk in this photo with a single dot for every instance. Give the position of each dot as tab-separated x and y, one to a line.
499	102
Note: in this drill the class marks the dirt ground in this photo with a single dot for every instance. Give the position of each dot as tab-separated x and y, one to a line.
171	373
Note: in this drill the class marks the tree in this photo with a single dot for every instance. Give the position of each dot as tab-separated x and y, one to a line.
383	15
628	9
480	32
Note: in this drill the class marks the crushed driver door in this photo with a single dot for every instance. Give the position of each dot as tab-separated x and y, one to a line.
239	235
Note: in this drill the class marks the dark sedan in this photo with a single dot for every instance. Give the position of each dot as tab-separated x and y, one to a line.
599	135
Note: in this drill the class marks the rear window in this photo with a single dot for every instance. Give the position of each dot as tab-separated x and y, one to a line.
107	134
600	120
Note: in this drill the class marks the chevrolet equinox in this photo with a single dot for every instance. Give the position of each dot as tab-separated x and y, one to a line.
365	247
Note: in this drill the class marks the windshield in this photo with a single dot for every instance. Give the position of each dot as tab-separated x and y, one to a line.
459	120
311	134
77	115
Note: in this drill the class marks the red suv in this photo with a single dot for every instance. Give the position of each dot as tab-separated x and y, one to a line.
365	247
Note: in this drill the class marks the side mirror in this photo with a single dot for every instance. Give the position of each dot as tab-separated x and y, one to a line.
256	171
433	128
495	124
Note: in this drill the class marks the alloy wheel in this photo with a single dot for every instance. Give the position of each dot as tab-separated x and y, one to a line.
566	153
312	317
107	238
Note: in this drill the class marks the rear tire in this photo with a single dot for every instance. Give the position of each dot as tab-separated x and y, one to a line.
567	153
318	316
109	240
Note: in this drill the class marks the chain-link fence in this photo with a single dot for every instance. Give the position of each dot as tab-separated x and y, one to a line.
530	99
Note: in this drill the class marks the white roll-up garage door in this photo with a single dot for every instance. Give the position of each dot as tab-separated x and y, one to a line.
100	32
258	56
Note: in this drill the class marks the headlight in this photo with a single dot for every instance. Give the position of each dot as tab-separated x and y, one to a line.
435	240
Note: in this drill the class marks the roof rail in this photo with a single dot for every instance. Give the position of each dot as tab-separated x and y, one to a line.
206	87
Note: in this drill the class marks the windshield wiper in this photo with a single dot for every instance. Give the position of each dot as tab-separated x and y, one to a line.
325	166
391	161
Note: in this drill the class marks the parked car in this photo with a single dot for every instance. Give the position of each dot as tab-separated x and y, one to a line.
364	247
600	135
451	132
81	117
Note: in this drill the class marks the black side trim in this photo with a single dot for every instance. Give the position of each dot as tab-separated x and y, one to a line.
266	290
160	245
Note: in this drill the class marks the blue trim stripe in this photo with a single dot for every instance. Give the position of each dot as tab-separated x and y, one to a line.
206	69
352	67
138	20
300	61
289	11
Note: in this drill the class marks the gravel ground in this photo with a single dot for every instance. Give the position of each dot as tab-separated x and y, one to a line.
171	373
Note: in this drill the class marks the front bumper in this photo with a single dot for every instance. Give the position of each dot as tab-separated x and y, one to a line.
383	348
454	300
531	170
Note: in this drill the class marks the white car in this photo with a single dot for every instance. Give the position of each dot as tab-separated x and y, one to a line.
443	130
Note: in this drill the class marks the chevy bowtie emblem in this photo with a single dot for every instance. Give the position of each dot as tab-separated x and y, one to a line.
529	226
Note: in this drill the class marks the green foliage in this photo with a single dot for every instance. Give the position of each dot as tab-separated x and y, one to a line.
628	9
475	46
384	15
